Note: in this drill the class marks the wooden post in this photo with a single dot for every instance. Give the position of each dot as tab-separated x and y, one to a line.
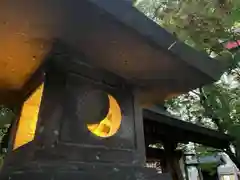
185	167
172	160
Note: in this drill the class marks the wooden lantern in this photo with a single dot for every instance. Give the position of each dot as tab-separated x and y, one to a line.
78	122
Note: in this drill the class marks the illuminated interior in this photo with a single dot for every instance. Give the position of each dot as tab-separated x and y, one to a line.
28	119
111	123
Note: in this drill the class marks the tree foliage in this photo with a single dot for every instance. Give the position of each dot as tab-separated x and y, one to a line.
199	23
6	118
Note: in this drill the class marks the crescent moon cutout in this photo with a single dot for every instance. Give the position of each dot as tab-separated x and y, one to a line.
111	123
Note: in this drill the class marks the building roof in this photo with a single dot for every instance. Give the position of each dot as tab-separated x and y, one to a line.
160	125
113	35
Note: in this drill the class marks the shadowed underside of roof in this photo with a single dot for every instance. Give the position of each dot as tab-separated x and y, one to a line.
112	35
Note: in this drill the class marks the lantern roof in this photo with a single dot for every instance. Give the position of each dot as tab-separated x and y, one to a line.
113	35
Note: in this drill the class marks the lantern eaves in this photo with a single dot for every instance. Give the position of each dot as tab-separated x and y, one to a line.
112	35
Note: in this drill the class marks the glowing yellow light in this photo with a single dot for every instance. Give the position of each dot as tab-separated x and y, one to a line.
28	119
111	123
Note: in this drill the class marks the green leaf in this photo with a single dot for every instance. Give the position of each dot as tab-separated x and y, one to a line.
6	118
234	130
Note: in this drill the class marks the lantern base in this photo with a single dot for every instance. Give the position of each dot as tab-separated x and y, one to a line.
82	171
